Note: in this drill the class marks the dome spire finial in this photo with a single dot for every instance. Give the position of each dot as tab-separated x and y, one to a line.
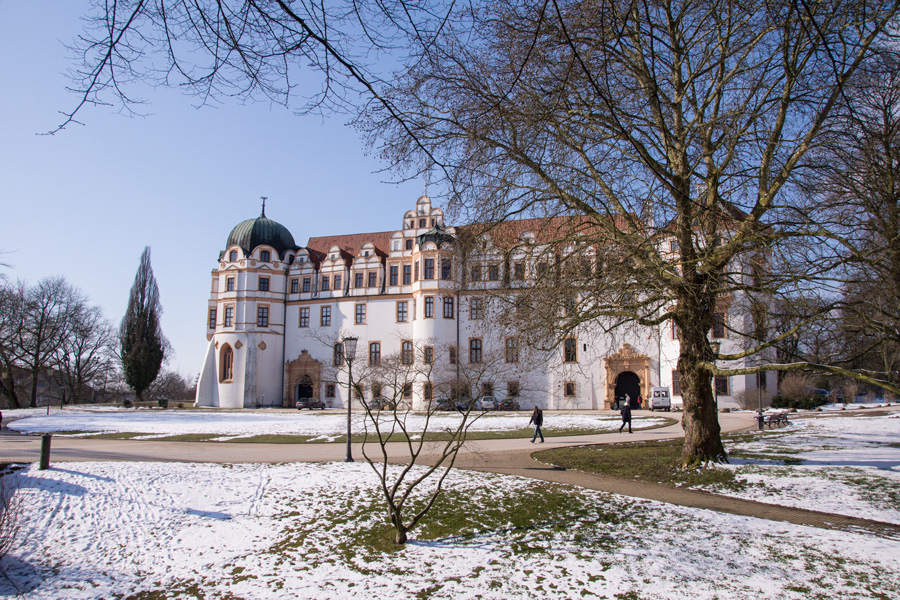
264	198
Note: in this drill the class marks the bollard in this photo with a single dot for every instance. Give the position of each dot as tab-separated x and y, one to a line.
45	451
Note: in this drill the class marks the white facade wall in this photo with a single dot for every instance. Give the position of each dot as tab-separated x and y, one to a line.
295	331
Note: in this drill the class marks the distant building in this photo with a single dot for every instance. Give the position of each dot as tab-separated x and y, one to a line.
276	312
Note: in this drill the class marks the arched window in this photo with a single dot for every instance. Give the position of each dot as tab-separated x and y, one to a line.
232	256
227	364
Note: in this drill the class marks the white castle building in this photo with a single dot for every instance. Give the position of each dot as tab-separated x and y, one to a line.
277	314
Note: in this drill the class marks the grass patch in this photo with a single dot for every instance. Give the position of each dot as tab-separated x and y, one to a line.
651	461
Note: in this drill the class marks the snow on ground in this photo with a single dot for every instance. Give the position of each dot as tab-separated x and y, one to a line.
324	425
221	532
840	464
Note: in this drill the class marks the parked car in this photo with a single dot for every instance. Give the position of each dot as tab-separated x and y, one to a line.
508	404
381	404
310	403
445	404
660	399
465	403
489	403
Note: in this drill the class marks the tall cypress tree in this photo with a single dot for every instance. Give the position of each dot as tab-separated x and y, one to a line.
143	344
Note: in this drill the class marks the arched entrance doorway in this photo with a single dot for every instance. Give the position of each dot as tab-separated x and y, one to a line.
628	383
305	387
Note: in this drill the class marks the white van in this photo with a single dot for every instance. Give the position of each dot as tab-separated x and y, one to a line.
660	399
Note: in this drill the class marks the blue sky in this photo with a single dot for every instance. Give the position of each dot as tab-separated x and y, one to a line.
83	203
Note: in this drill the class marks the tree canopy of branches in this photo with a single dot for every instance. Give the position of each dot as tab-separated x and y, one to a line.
140	333
855	175
669	133
49	326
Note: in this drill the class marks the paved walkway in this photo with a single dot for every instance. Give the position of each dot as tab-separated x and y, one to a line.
507	456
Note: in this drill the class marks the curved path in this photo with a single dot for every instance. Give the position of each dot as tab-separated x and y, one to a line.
507	456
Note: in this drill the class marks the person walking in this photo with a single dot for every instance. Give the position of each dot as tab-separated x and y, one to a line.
626	417
537	419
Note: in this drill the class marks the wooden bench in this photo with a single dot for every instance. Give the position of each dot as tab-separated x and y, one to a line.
779	418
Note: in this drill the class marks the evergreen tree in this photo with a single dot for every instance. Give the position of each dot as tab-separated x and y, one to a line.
142	341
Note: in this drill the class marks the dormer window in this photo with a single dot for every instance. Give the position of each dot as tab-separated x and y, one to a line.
264	256
366	253
423	223
232	256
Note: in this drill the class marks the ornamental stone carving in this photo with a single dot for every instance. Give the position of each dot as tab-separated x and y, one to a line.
626	359
295	369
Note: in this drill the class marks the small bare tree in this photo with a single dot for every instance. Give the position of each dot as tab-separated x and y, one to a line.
10	512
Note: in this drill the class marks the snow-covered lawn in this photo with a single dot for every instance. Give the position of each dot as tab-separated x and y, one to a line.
319	425
833	463
225	532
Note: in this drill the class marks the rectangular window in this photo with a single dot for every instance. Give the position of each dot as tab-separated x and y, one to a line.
718	328
519	271
476	273
337	283
476	308
416	272
512	350
512	389
212	318
295	285
358	280
229	316
360	314
373	279
304	317
475	350
264	256
429	268
428	391
570	350
329	390
306	284
374	354
448	308
377	390
402	311
264	284
453	355
407	274
229	284
722	385
406	353
393	280
676	383
325	316
494	272
446	268
487	389
570	389
429	307
429	355
407	390
337	358
422	223
674	330
673	246
326	283
262	316
542	269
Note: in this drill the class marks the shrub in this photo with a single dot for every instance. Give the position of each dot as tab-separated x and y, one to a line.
806	402
749	399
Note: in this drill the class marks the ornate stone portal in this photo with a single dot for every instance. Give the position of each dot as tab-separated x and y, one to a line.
295	370
626	359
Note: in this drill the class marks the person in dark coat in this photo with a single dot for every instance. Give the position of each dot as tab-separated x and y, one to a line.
626	417
537	419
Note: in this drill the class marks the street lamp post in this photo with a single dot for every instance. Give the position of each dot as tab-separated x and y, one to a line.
349	350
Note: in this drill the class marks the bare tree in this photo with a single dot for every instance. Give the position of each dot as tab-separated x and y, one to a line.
667	132
12	305
86	353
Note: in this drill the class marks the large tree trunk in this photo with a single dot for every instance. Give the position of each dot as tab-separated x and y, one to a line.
702	440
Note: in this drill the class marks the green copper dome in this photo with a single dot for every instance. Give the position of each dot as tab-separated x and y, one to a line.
261	231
